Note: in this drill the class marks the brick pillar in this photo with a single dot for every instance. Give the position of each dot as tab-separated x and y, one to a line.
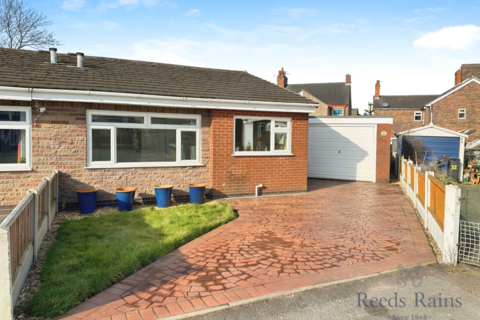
377	89
383	153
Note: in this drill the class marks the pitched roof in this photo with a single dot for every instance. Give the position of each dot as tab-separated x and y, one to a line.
32	69
455	88
403	102
329	93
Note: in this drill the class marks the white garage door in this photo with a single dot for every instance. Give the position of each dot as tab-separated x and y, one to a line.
341	152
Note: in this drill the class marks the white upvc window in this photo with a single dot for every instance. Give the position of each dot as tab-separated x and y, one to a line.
262	136
15	138
462	113
417	116
135	139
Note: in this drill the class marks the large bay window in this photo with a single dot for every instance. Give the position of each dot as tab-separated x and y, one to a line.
15	139
132	139
262	136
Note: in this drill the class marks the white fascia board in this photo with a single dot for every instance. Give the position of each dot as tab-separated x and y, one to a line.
431	128
346	120
29	94
459	86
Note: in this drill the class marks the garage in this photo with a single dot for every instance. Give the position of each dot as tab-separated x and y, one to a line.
349	148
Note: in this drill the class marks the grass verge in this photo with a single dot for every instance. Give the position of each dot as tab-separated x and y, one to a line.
93	253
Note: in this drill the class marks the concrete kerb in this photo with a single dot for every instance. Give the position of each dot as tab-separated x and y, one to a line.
288	292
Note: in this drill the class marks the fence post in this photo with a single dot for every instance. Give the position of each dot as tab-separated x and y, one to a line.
34	222
427	196
47	201
415	185
6	307
57	182
451	224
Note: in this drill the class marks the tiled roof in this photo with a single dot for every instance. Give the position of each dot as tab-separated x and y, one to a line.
403	102
329	93
32	69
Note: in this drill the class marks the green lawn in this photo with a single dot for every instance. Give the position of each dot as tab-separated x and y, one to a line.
93	253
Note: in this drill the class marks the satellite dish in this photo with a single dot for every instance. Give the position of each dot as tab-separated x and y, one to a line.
385	104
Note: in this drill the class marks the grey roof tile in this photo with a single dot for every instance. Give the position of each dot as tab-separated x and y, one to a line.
329	93
32	69
403	102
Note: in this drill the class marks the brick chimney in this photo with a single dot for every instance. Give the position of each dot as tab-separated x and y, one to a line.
377	90
458	76
282	80
348	79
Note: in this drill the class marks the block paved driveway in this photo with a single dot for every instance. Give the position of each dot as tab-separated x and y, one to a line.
337	230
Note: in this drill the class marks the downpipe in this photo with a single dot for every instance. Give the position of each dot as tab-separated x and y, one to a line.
256	189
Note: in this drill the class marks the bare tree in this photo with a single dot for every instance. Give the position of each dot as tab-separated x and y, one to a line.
370	111
22	26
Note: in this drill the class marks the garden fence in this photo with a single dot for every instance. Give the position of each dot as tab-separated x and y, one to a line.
438	205
21	234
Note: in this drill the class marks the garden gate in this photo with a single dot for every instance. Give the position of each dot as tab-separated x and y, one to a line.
469	251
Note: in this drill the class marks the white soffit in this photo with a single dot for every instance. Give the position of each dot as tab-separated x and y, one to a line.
29	94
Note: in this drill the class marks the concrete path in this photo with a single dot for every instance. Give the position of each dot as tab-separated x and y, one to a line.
337	230
342	301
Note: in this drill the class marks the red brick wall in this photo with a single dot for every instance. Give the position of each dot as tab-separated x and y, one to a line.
231	175
383	154
445	112
59	143
403	119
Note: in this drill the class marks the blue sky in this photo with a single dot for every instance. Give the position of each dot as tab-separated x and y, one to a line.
413	47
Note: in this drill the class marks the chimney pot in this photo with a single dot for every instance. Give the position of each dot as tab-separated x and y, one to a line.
377	90
458	76
348	79
80	59
282	80
53	55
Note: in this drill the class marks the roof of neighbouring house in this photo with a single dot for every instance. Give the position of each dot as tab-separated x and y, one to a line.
329	93
403	102
32	69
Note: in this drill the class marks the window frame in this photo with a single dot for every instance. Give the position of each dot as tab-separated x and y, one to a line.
273	130
464	113
338	115
415	114
146	125
19	125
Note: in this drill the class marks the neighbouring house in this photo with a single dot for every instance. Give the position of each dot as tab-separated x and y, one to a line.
333	98
407	110
456	109
108	123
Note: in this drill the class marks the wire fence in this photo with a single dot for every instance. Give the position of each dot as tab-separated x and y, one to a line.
469	242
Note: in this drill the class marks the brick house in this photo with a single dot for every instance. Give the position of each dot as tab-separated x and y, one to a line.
108	123
333	98
407	110
456	109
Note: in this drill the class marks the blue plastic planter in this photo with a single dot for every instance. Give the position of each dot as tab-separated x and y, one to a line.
87	198
197	191
125	198
163	195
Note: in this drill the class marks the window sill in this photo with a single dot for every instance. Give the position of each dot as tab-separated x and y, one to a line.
147	166
263	155
13	169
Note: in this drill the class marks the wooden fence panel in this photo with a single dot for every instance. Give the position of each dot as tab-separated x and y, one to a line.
19	237
421	187
41	206
412	177
437	200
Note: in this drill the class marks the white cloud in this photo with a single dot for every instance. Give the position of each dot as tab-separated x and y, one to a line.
431	9
176	51
110	25
193	13
456	38
73	5
148	3
295	13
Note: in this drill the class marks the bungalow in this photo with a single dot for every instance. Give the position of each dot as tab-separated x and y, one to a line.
107	123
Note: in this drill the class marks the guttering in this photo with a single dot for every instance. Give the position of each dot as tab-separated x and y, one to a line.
28	94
